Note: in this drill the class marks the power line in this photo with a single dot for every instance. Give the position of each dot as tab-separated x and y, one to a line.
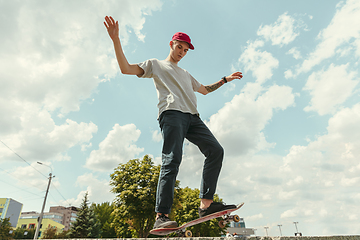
33	168
60	194
22	158
27	183
19	188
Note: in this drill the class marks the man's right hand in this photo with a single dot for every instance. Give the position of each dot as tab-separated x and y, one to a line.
112	27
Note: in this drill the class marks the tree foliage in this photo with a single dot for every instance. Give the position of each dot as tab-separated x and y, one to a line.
86	224
49	233
5	228
21	233
105	217
135	186
63	234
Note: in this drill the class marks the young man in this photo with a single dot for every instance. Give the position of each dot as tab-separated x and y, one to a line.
178	119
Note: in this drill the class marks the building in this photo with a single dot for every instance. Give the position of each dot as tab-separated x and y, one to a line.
29	220
240	229
56	217
69	215
9	208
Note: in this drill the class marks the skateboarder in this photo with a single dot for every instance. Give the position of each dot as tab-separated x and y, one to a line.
178	119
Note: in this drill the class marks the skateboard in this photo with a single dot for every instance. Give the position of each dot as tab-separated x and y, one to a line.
226	218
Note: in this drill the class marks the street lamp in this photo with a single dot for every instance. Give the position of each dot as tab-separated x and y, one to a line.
280	229
297	231
43	206
266	229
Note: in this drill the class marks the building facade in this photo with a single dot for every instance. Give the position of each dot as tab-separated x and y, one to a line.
56	217
31	223
9	208
69	214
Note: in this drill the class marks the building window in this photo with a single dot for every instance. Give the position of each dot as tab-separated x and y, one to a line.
31	225
23	226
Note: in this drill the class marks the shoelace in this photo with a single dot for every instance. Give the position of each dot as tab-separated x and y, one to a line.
163	217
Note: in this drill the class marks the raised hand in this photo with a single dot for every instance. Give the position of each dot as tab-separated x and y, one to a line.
112	27
235	75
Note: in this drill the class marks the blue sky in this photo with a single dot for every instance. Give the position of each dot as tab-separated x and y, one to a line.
290	127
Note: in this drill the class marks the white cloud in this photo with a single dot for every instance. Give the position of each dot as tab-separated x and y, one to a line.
156	136
37	137
98	190
330	88
118	147
294	52
53	58
239	124
341	30
56	59
261	63
326	166
282	32
254	217
288	74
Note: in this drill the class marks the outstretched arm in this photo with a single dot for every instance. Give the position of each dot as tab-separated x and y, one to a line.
212	87
113	30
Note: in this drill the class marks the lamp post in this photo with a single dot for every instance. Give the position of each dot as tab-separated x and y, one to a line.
297	231
43	206
280	229
266	229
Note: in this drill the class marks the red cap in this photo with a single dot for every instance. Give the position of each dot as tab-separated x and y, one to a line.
180	36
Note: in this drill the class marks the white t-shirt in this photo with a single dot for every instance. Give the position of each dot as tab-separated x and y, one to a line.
175	86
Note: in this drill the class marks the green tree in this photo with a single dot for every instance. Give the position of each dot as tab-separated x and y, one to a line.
94	223
134	184
5	228
105	216
86	224
49	233
21	233
187	211
122	226
63	234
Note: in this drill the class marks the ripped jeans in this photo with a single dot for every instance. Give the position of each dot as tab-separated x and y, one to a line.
175	127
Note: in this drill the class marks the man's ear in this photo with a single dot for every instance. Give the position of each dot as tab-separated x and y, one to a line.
171	44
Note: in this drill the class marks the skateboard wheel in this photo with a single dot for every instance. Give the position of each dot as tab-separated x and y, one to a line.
236	218
222	224
188	233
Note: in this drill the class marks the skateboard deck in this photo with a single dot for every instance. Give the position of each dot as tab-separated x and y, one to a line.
225	214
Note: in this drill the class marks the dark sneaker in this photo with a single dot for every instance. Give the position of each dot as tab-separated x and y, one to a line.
214	207
164	222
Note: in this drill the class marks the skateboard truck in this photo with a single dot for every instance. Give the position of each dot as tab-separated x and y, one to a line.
184	233
227	219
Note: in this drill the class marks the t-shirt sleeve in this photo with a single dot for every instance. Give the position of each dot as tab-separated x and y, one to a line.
147	66
195	84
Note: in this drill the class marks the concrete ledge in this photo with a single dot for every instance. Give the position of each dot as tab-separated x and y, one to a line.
354	237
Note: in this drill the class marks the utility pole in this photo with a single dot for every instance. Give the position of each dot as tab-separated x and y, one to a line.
280	229
43	206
